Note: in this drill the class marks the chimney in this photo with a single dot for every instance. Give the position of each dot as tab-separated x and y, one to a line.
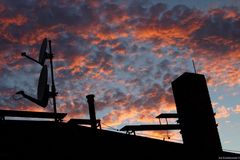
196	116
90	100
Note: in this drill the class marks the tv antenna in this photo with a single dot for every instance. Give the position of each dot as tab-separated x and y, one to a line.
43	93
195	71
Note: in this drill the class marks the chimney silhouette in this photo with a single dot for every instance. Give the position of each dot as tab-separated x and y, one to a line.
196	117
90	100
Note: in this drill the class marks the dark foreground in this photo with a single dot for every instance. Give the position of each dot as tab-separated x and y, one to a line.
50	140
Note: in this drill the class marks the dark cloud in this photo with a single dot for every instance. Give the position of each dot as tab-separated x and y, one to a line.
156	10
219	33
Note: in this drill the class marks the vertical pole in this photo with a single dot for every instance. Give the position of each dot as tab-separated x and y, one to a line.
53	84
90	100
194	66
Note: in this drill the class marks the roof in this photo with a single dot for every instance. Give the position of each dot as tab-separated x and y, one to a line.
31	114
51	140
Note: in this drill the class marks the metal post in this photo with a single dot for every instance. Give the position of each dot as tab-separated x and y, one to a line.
53	84
195	71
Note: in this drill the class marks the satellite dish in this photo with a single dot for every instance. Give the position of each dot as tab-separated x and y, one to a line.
43	93
43	87
43	53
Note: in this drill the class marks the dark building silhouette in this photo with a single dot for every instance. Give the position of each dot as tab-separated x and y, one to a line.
195	113
41	139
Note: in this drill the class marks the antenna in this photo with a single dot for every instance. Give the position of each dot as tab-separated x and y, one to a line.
53	89
194	66
43	93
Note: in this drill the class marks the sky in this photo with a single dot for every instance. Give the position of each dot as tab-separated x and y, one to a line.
127	53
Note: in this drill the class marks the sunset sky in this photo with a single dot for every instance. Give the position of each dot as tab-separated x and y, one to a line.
127	53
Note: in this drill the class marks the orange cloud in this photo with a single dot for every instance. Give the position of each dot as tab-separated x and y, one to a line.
172	136
222	69
237	109
231	14
17	20
135	114
77	63
103	35
169	33
25	108
132	115
44	32
166	34
72	112
227	13
222	112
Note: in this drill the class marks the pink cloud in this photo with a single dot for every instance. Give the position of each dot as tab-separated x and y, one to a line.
222	112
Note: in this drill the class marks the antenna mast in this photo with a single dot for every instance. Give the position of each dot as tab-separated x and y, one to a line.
53	88
194	67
